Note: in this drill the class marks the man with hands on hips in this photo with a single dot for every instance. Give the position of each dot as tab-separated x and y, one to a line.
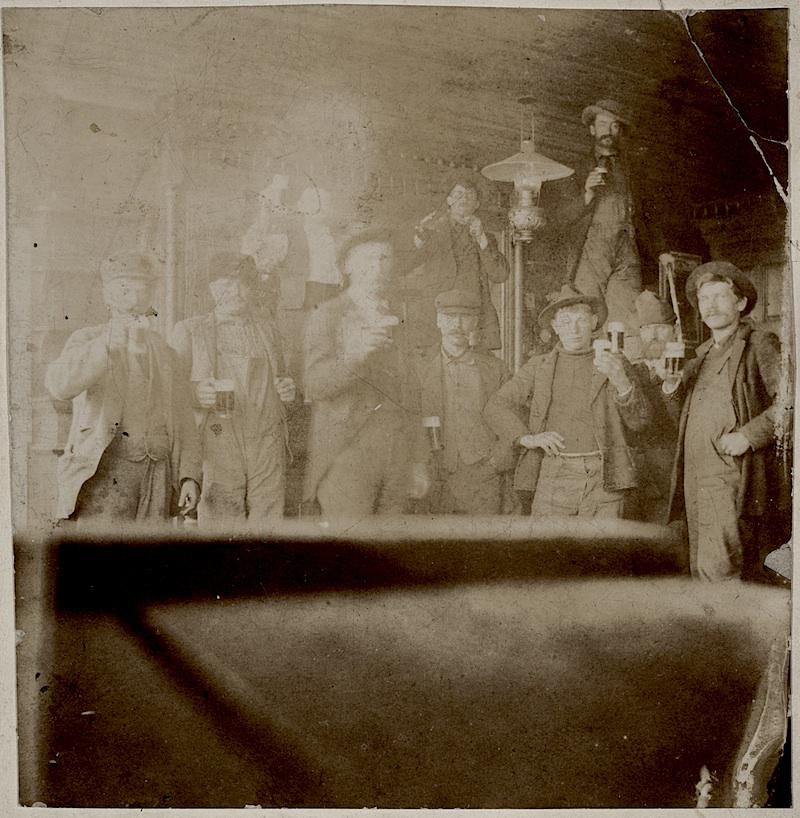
574	453
731	479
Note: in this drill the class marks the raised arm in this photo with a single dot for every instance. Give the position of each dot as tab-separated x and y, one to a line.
85	359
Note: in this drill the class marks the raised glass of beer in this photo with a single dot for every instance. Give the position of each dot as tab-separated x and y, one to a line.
600	345
225	401
674	353
616	335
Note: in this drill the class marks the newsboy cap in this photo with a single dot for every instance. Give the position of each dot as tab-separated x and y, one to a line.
566	297
127	265
458	302
721	269
232	265
653	310
606	106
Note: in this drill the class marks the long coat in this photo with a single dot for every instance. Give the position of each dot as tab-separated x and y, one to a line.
493	374
89	375
345	396
534	382
765	487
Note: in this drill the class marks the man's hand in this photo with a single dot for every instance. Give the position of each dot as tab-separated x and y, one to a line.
419	483
550	442
734	444
206	394
476	231
594	180
189	496
118	333
287	391
611	365
365	341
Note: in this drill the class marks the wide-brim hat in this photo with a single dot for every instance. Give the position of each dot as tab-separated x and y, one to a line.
458	302
607	106
232	265
128	265
651	309
566	297
723	269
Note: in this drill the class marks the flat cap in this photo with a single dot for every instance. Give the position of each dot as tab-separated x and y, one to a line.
458	301
653	310
716	270
127	265
606	106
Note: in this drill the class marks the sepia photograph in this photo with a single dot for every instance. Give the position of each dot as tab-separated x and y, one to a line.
400	406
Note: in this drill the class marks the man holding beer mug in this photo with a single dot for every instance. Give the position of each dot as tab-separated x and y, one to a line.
731	479
456	382
133	446
574	450
235	361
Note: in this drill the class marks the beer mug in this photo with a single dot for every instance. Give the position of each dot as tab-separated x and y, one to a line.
225	401
600	345
616	335
674	353
433	424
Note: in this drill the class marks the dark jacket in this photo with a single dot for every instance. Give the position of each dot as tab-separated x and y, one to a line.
612	417
756	383
493	374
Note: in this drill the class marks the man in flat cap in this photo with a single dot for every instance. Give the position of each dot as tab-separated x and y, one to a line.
604	218
241	390
731	474
453	251
456	382
655	444
575	454
366	448
133	446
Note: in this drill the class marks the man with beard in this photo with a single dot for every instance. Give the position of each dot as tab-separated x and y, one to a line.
731	475
655	444
456	382
603	218
452	251
366	450
575	454
133	445
244	446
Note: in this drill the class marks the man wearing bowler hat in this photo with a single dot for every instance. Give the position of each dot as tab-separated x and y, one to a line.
235	362
731	475
456	381
574	450
133	446
604	218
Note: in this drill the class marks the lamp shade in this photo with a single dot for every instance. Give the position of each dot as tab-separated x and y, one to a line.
527	169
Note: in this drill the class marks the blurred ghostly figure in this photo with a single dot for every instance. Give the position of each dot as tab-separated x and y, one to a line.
133	441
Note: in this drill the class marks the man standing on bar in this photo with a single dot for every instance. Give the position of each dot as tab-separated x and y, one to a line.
244	444
456	382
731	478
133	446
575	454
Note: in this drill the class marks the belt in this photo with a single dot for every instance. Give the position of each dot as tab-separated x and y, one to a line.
598	453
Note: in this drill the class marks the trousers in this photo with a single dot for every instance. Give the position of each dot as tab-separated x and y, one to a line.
573	487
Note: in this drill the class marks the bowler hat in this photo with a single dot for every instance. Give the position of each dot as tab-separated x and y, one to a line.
607	106
127	265
566	297
232	265
723	269
458	302
653	310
